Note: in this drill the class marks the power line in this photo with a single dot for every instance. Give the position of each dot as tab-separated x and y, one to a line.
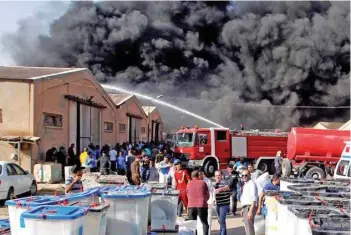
262	105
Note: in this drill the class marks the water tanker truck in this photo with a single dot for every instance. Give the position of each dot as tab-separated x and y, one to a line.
313	152
306	151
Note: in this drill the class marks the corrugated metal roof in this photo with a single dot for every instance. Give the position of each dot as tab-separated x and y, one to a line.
32	73
148	109
119	99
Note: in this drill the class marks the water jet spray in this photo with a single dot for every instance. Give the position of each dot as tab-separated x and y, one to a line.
111	87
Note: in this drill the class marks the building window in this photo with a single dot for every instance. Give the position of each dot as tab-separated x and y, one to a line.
122	127
52	120
0	115
143	130
108	126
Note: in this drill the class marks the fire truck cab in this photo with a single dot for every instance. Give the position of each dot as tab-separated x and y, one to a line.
207	147
214	148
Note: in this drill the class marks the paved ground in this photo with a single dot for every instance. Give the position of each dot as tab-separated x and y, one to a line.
235	226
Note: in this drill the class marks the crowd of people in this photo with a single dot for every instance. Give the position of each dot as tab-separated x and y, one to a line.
199	196
237	183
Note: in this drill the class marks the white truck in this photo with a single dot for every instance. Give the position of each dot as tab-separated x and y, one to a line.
343	168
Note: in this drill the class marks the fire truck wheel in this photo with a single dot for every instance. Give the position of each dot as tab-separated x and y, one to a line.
315	172
286	168
210	168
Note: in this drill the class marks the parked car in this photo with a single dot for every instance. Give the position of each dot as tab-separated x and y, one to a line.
14	181
343	168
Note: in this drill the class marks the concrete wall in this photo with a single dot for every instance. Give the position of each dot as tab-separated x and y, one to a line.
6	150
15	106
23	103
17	116
49	98
130	106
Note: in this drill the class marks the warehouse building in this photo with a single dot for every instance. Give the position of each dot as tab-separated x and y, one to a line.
328	125
346	126
132	120
155	123
52	107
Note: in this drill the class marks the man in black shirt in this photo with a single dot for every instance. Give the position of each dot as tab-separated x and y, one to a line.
72	158
232	180
222	195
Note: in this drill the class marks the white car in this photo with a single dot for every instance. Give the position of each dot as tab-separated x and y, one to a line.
15	181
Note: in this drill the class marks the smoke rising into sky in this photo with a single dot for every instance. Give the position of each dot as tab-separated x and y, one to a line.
269	53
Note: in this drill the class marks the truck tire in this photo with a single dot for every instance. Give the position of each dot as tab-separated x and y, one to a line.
210	168
263	166
286	168
315	172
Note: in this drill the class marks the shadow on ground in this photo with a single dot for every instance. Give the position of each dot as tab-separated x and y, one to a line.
232	231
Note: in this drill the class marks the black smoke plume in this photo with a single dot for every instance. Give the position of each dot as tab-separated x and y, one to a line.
255	53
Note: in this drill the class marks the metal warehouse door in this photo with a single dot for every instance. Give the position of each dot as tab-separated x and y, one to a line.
72	123
85	123
95	126
137	129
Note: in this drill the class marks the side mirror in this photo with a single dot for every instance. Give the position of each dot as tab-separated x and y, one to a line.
26	172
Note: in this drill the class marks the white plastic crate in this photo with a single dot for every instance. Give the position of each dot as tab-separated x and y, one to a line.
165	232
54	220
68	171
164	204
152	186
199	226
285	216
95	221
128	213
48	172
18	206
299	217
284	183
5	227
87	196
272	217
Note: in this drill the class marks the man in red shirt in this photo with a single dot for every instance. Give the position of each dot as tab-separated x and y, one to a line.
181	178
198	196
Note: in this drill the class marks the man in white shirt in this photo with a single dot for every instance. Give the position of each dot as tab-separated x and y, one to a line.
248	199
163	169
113	158
254	173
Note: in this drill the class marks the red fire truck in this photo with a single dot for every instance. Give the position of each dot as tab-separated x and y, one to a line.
309	151
214	148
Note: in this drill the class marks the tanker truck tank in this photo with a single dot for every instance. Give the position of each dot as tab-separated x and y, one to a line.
313	151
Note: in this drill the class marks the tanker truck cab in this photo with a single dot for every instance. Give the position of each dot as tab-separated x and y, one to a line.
343	168
206	147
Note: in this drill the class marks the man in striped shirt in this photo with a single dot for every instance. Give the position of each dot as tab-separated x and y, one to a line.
74	183
222	195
